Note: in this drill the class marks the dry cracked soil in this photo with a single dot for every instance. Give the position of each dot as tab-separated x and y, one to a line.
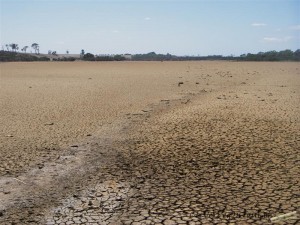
202	143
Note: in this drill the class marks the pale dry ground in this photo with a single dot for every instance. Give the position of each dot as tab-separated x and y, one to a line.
230	146
78	98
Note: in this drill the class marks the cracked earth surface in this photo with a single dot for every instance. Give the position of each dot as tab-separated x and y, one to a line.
226	154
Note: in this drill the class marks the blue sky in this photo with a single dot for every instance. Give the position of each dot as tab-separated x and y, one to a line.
179	27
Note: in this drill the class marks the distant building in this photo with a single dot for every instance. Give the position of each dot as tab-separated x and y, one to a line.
127	56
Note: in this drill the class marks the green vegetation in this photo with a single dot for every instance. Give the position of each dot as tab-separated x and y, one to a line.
6	56
36	48
91	57
12	55
152	56
24	49
14	47
286	55
65	59
88	57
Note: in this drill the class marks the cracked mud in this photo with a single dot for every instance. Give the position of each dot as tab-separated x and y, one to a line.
225	152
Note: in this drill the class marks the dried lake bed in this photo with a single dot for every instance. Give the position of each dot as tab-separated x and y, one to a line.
205	142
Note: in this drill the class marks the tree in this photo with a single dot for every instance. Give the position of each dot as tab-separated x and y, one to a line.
119	58
297	55
14	47
36	48
24	49
7	47
271	56
285	54
82	53
49	52
89	57
67	51
54	53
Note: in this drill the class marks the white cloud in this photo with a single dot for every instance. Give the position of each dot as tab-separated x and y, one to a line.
276	39
296	27
258	24
147	18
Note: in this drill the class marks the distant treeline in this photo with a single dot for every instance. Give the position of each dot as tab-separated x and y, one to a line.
152	56
91	57
286	55
65	59
6	56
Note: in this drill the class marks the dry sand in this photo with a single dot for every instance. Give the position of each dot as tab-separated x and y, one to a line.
227	142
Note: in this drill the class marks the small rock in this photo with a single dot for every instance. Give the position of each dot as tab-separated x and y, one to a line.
149	197
41	166
119	198
179	83
49	124
74	146
9	135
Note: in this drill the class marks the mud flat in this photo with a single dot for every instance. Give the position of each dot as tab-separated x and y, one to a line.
149	143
